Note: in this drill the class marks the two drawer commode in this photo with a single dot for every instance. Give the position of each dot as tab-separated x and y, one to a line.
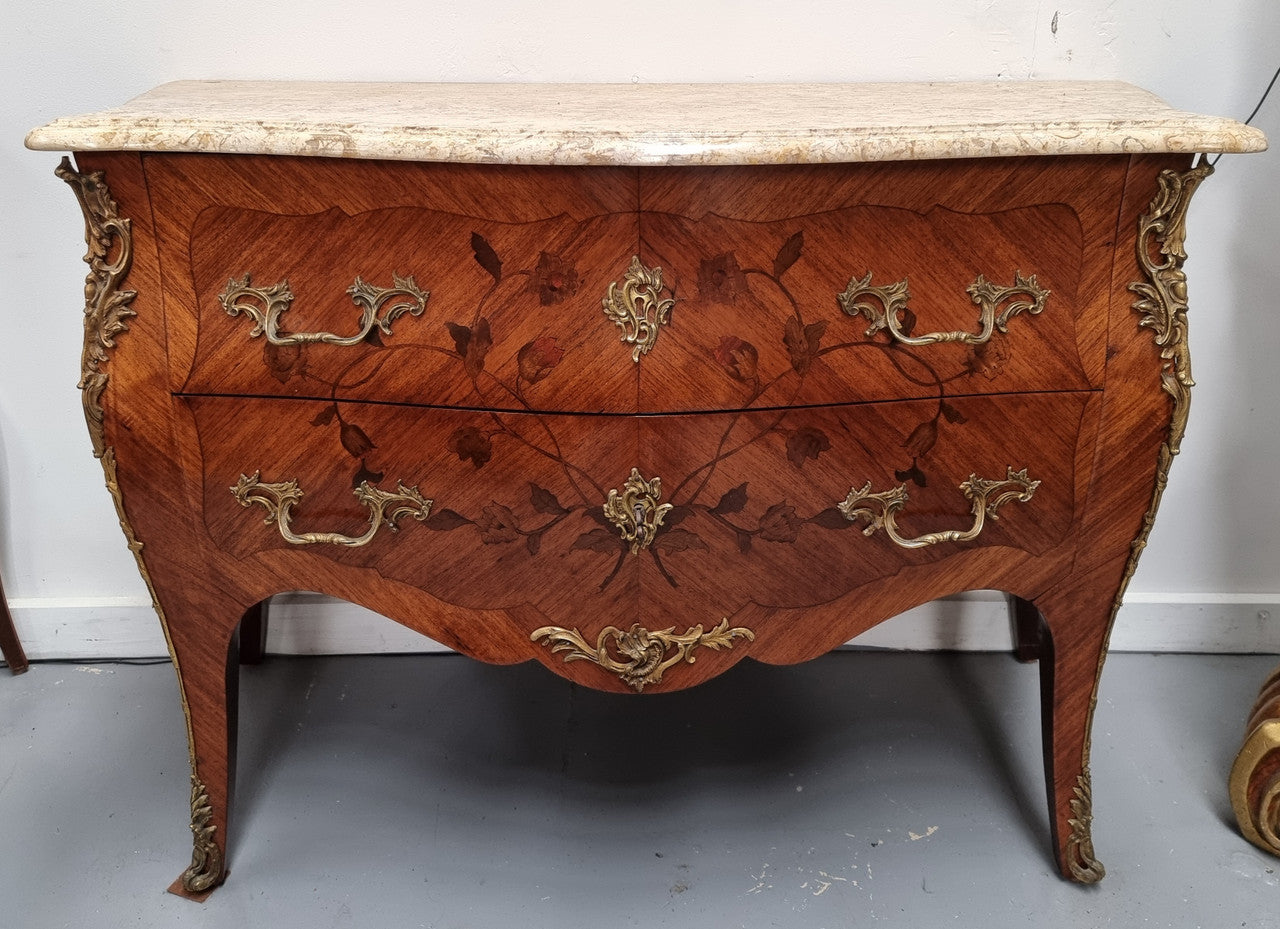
637	381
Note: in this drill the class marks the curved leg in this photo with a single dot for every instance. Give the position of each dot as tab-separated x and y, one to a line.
1073	642
208	673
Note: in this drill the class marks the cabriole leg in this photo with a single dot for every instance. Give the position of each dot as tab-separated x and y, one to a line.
1072	642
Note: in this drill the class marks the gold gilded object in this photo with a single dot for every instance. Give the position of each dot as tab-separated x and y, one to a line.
279	499
110	256
265	306
639	656
206	857
637	512
1254	784
1082	864
893	299
106	303
1162	231
985	497
1161	253
638	307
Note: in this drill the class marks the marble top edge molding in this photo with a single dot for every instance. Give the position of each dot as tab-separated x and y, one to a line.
648	124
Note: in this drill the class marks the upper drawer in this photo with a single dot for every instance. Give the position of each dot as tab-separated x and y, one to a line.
612	290
830	284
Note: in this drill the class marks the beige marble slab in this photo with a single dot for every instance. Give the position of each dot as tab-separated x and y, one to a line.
648	124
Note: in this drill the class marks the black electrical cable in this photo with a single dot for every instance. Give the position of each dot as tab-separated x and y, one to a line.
1265	93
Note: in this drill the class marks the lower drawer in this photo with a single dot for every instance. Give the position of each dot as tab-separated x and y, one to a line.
772	509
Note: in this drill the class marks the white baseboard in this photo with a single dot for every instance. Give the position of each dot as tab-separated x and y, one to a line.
309	624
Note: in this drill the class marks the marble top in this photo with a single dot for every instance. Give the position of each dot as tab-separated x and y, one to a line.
648	124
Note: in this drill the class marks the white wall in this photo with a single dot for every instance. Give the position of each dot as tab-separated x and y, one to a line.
1213	565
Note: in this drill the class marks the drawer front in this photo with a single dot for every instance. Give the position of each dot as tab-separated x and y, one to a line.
428	284
515	499
793	509
455	311
852	283
865	303
550	292
721	512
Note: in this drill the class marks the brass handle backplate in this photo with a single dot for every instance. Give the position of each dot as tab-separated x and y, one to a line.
278	499
892	302
638	308
636	511
265	306
986	496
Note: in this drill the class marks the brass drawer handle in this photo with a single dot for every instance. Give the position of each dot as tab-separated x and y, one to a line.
986	496
384	507
265	306
893	299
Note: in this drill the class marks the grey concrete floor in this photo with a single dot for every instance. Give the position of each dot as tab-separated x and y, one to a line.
861	789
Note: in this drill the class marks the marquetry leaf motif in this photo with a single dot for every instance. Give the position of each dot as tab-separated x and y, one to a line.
283	361
544	501
922	439
676	514
638	308
363	475
951	414
680	540
831	518
802	342
788	254
637	655
472	344
599	540
486	257
109	238
446	521
912	474
325	416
